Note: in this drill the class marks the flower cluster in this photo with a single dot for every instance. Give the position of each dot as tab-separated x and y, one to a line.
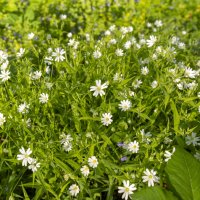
66	142
27	160
100	103
127	189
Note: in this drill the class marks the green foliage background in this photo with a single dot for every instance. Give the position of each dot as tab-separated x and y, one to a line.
71	103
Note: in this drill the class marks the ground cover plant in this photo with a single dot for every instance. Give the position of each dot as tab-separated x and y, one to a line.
99	99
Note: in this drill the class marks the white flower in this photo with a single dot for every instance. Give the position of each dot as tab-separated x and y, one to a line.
192	139
145	136
154	56
136	84
43	98
23	108
85	170
180	86
192	86
3	56
50	50
47	70
197	156
97	54
24	156
74	190
93	162
154	84
127	189
151	41
69	35
87	37
98	89
168	155
181	45
107	33
36	75
112	28
71	42
177	80
131	93
151	177
4	65
2	119
67	146
138	46
125	105
34	165
149	25
144	61
106	119
113	41
66	138
118	77
76	45
49	85
31	36
142	41
48	60
127	45
133	40
144	70
190	73
175	40
198	63
130	29
66	142
21	52
119	52
158	23
28	122
124	30
63	16
58	54
133	147
159	50
4	76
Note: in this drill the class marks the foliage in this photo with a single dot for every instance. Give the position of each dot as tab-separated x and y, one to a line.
146	54
183	179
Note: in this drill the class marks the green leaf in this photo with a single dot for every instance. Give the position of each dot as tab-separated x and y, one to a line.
26	197
153	193
38	193
76	117
91	150
175	116
183	173
73	164
166	101
110	189
89	118
63	166
46	186
63	189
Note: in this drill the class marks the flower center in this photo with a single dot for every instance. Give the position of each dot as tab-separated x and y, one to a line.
94	161
98	88
26	155
127	189
150	176
107	119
